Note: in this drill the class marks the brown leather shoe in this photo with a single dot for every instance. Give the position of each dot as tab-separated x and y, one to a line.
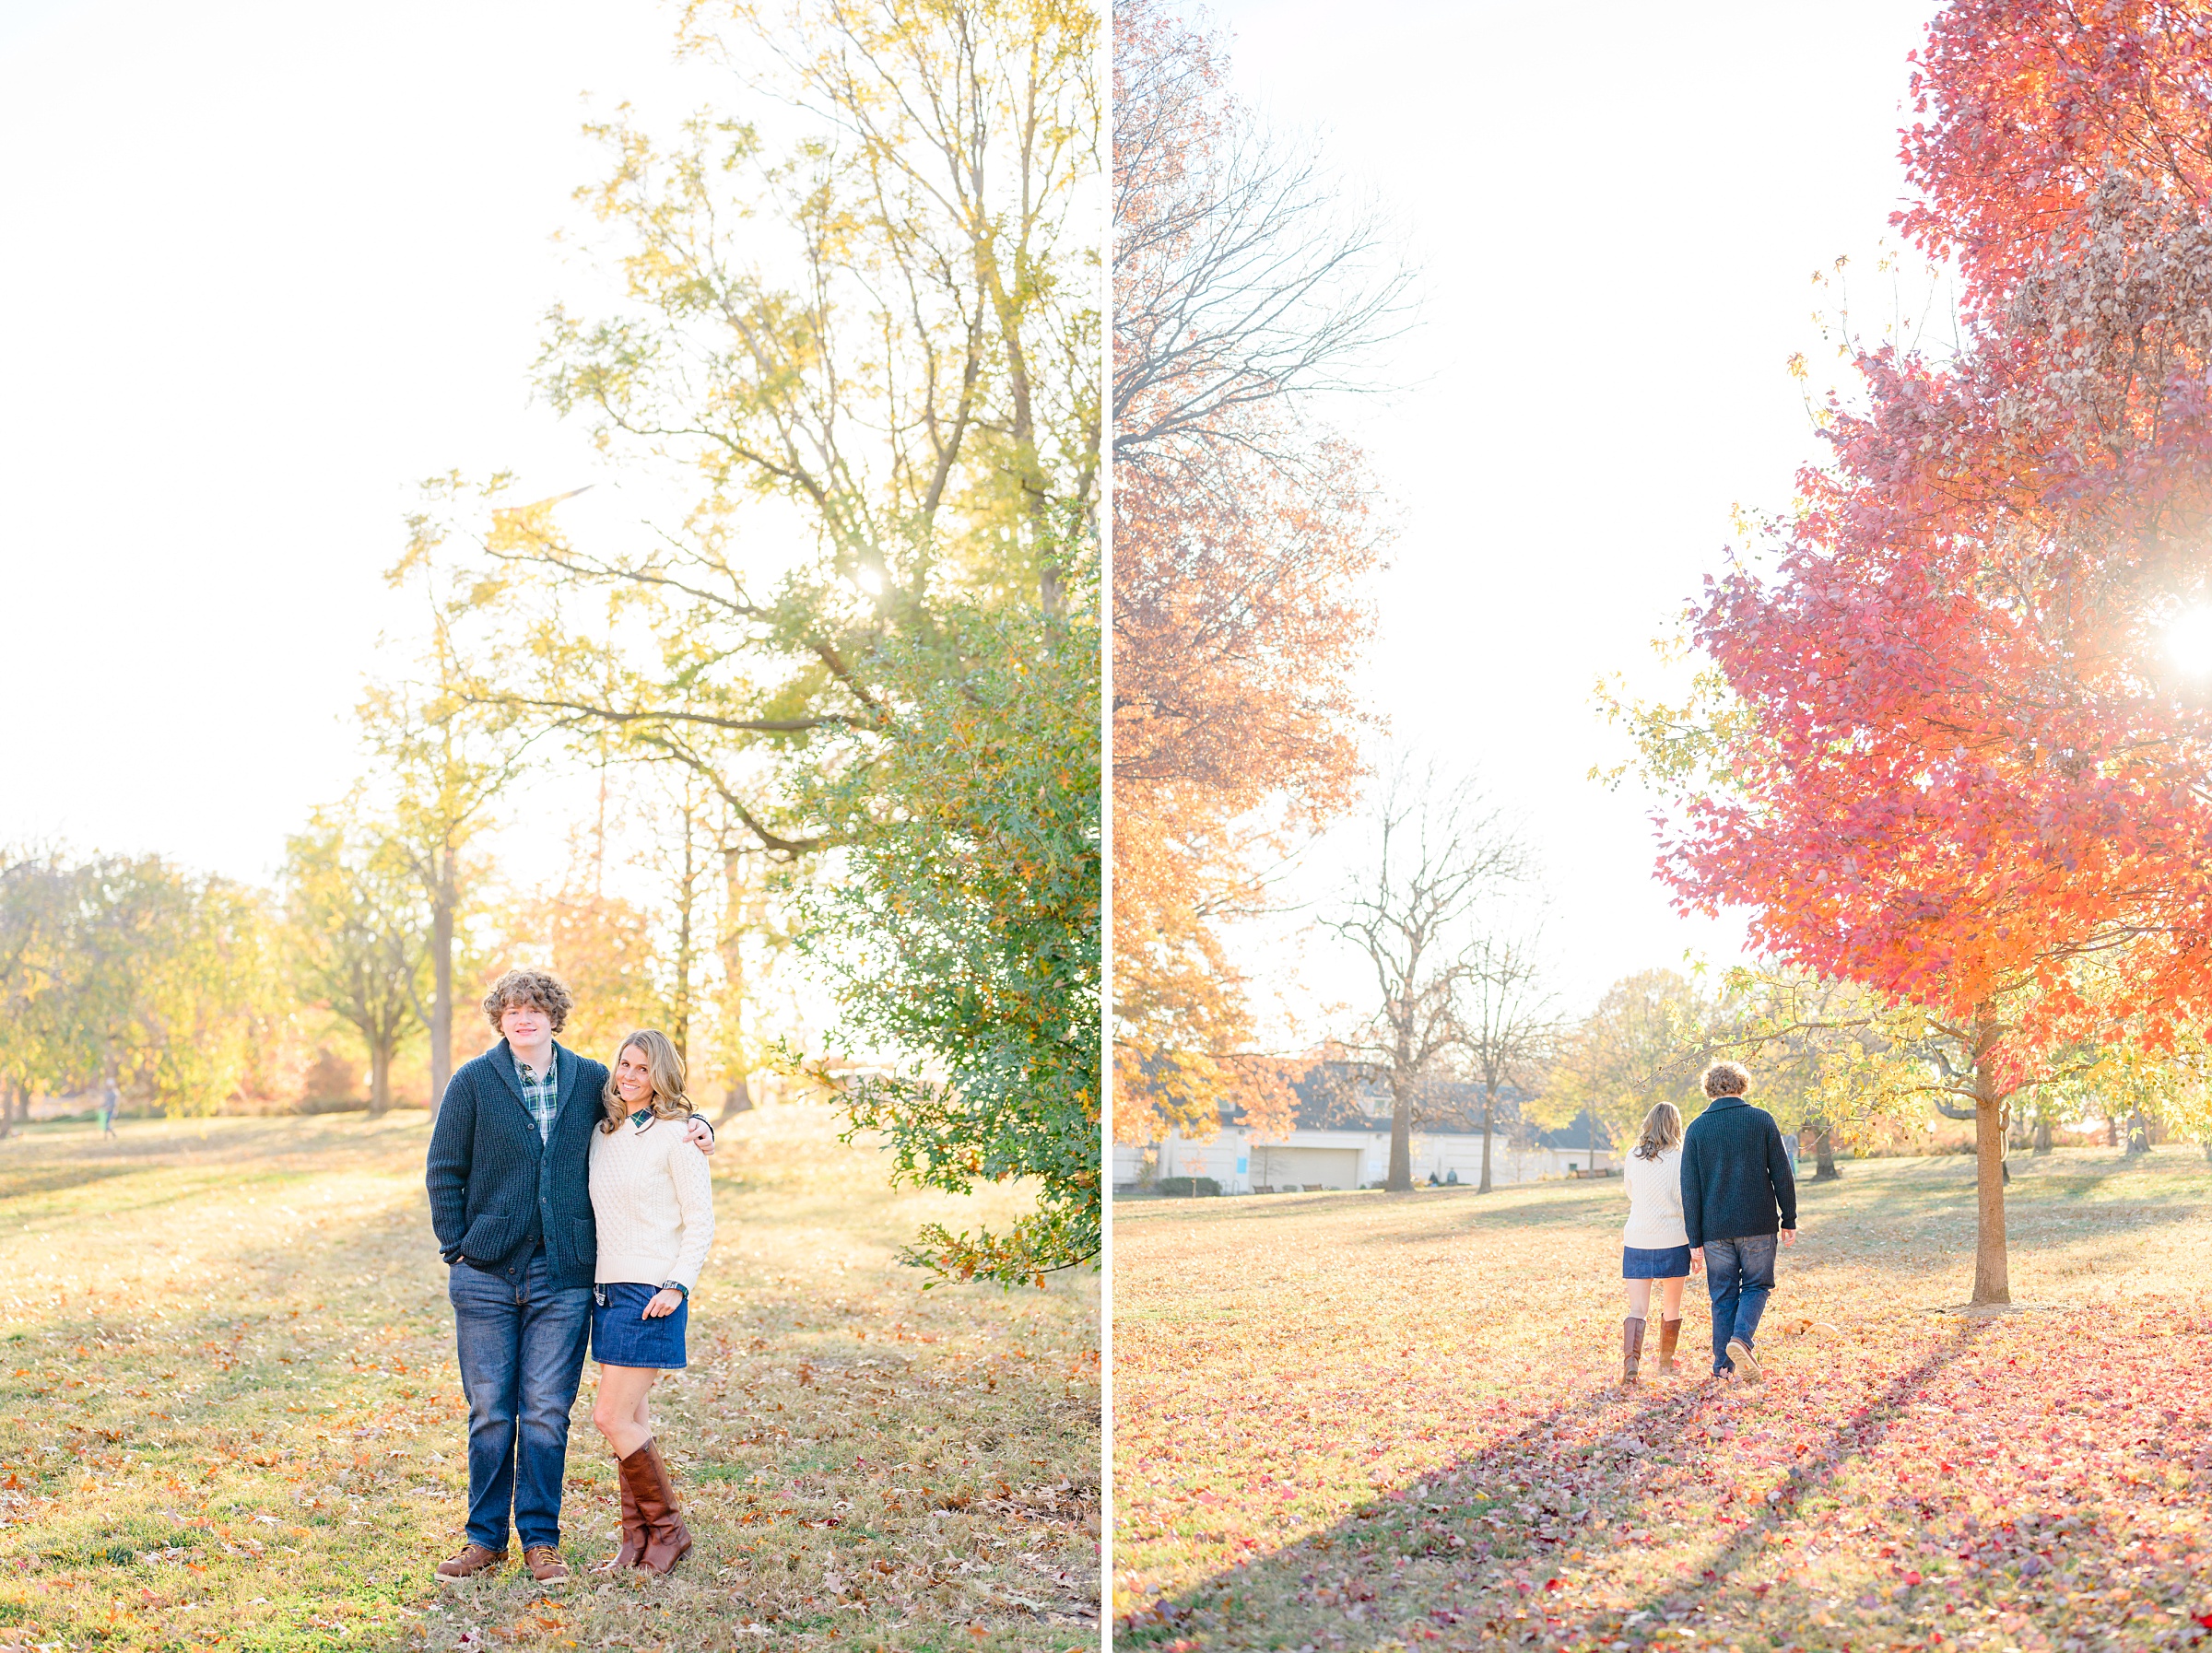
546	1565
667	1539
633	1531
1746	1364
1669	1332
474	1559
1632	1349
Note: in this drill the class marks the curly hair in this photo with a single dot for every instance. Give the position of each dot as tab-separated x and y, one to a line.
669	1099
541	988
1725	1079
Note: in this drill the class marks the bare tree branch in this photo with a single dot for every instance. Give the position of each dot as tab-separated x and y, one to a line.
1439	852
1242	274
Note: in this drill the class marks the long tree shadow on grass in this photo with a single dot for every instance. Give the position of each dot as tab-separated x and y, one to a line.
1847	1444
1473	1550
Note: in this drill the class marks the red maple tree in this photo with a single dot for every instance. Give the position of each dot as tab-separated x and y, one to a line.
1960	770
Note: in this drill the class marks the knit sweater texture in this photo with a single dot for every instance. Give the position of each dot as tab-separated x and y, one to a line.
1735	1174
655	1204
1654	1202
497	1190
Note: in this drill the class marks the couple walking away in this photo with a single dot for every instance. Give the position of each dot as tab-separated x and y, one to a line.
1712	1197
572	1204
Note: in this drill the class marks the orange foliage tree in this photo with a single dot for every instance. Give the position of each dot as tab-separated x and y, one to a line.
1951	760
1242	539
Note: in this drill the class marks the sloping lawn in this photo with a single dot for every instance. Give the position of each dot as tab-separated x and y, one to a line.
1363	1421
230	1414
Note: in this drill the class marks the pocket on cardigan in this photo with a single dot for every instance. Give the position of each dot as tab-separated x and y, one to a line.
489	1238
584	1235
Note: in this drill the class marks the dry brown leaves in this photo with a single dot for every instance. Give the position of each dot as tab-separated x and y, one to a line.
233	1417
1361	1421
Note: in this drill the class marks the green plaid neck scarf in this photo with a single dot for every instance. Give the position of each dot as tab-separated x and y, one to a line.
541	1093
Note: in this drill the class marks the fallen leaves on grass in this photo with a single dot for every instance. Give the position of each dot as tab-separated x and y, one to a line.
1379	1422
237	1419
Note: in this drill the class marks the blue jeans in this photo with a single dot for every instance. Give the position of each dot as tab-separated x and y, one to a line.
520	1340
1739	1273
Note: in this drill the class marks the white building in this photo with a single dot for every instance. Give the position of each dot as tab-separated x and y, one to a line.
1347	1145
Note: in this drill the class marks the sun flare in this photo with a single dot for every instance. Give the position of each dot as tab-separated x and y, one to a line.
2189	641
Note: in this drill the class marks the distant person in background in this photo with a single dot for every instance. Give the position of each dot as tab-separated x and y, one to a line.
109	1102
1737	1190
1654	1245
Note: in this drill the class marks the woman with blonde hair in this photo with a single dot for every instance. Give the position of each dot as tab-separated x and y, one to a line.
655	1214
1655	1245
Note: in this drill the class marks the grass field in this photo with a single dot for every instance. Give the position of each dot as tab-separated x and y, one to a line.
1363	1421
230	1414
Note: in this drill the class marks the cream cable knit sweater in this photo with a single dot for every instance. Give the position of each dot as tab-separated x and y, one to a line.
653	1204
1654	1203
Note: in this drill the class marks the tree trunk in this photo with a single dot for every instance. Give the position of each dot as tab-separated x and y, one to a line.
2043	1133
1824	1157
445	899
679	1008
1400	1181
7	1114
730	943
1487	1107
380	1079
2138	1135
1991	1278
679	1020
2112	1131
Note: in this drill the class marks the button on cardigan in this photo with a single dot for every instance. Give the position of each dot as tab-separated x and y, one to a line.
497	1188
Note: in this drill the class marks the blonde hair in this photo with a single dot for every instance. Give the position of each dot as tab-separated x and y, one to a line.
1725	1079
1662	1131
667	1070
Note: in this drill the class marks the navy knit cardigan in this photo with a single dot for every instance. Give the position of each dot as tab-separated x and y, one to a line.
496	1190
1735	1174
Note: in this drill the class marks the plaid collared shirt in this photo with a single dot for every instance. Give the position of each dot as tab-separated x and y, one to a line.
541	1093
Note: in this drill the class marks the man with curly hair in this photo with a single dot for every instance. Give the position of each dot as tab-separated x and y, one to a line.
1738	1191
509	1179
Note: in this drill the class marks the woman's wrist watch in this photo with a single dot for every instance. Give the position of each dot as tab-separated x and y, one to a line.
678	1287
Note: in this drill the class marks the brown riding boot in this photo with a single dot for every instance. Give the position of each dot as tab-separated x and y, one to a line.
666	1538
1669	1332
1632	1349
633	1531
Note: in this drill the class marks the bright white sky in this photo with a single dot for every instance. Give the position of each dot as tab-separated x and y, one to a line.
266	265
1618	212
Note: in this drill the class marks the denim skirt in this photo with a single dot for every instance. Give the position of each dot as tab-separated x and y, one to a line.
622	1336
1667	1262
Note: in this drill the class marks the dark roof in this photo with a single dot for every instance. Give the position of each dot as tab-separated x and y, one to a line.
1332	1095
1575	1133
